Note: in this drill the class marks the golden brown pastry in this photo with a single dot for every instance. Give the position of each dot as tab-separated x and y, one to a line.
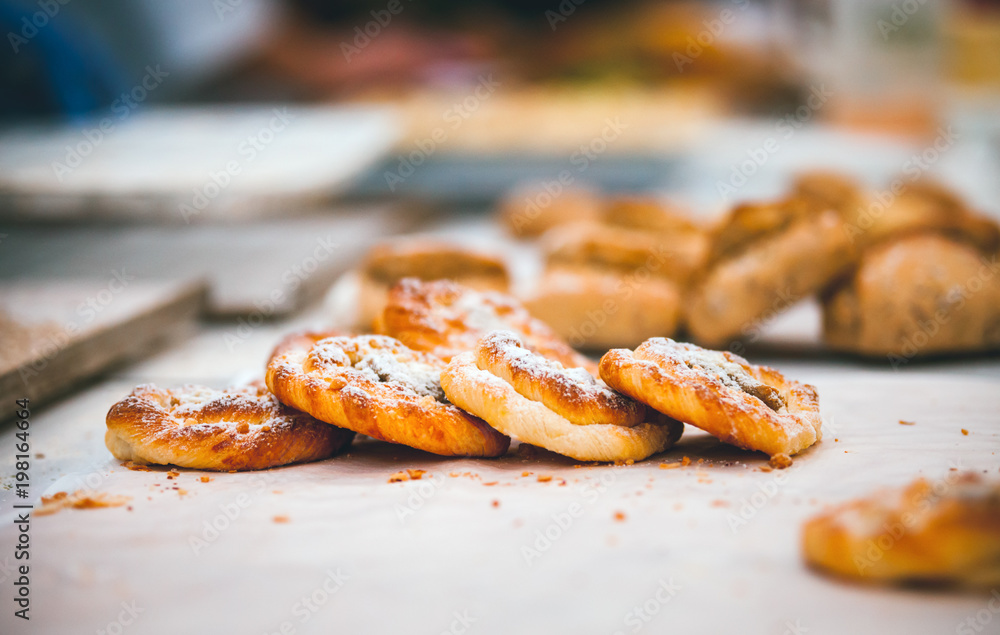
607	286
766	257
686	241
445	319
752	407
533	209
226	430
920	295
946	532
830	190
390	262
921	207
567	411
375	385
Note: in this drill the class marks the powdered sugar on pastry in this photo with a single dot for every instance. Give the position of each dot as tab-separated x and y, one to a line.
381	360
753	407
573	393
377	386
718	366
243	428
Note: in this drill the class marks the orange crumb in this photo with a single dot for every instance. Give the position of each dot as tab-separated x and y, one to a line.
620	516
205	479
181	491
491	483
525	473
496	503
669	466
399	476
965	432
416	475
685	461
454	474
79	499
720	503
780	461
766	468
281	519
907	423
544	478
136	467
243	428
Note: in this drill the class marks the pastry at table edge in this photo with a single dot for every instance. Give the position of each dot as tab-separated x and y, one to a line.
233	429
942	532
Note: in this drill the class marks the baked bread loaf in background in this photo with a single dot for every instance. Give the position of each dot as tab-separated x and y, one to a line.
389	262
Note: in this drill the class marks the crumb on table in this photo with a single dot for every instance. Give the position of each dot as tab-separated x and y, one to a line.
780	461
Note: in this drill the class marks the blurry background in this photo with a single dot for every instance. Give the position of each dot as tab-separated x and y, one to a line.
220	143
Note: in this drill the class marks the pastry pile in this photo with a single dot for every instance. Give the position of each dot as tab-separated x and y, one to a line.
459	372
907	272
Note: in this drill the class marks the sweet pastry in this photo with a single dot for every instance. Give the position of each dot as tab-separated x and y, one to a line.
390	262
686	242
764	258
376	386
226	430
829	190
920	295
946	532
531	210
606	286
444	318
538	401
752	407
920	207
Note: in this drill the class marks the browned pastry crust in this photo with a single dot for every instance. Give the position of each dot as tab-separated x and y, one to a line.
766	258
445	319
390	262
945	533
607	286
620	250
573	394
226	430
830	190
520	406
752	407
531	210
919	295
684	242
919	208
377	386
596	309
